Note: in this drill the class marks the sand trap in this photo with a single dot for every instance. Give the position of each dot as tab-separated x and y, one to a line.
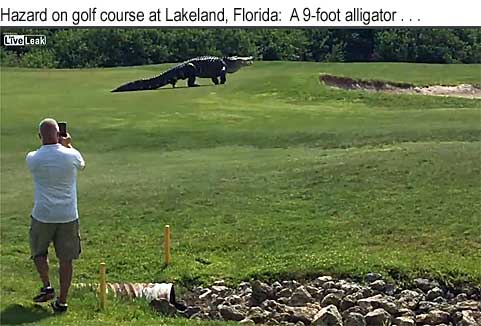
463	90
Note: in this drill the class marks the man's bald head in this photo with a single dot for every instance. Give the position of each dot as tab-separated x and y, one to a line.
48	131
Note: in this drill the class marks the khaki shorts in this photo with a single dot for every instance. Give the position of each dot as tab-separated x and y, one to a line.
65	238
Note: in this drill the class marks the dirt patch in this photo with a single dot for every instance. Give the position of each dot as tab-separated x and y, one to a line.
463	90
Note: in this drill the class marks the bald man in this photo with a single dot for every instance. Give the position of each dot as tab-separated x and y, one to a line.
54	215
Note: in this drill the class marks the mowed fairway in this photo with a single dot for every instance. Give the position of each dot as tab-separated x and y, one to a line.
269	176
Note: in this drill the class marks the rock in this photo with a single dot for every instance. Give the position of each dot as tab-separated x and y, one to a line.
468	305
300	297
366	292
425	284
321	280
372	277
378	317
406	312
284	293
355	319
339	292
404	321
390	307
378	301
411	295
449	295
467	318
440	300
258	315
378	285
283	300
190	311
230	313
247	322
434	317
220	289
434	293
196	316
288	284
219	282
331	299
425	306
351	288
217	300
312	290
328	285
261	291
355	309
269	305
305	314
244	285
328	316
390	289
233	299
461	297
276	285
410	299
319	295
164	307
214	315
206	294
347	303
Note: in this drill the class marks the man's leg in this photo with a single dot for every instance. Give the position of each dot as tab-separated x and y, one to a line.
65	273
41	234
41	262
67	248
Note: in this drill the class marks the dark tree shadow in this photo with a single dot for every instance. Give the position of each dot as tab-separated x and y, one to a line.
17	314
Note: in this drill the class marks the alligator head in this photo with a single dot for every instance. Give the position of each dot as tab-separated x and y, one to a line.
235	63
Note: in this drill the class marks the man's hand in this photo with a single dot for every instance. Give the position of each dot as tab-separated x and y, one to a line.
66	141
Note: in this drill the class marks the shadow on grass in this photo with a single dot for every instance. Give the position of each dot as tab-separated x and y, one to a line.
17	314
164	89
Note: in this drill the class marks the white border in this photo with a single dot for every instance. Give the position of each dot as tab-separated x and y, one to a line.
461	13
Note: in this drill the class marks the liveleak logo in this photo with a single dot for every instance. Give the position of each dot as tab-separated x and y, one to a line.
24	40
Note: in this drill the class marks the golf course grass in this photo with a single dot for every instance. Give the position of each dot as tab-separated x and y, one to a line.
270	176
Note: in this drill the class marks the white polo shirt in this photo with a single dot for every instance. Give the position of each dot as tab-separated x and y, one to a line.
54	170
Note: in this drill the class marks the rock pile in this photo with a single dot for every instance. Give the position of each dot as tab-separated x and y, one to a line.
329	301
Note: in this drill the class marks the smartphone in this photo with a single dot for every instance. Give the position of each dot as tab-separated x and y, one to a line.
62	126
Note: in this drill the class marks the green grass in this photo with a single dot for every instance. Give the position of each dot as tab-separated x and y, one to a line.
270	176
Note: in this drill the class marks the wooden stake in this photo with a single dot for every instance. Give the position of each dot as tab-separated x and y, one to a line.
167	244
103	286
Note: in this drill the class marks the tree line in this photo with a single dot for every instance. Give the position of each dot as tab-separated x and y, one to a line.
77	48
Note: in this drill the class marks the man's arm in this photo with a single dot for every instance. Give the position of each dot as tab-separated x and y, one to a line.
78	159
66	141
29	159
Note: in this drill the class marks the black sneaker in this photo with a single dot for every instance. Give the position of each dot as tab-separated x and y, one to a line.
46	293
59	307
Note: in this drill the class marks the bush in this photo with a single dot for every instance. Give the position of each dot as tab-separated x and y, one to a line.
75	48
38	58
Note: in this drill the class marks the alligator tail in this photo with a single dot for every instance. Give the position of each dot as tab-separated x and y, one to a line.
167	77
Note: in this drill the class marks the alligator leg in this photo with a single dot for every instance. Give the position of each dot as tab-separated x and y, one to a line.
191	82
191	73
215	80
222	79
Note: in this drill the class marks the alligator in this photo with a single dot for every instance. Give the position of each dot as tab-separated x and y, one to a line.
203	67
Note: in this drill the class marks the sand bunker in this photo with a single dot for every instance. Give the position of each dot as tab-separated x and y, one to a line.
463	90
